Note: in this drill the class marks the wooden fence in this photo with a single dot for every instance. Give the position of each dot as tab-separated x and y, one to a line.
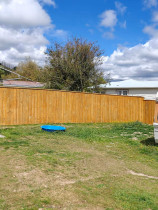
33	106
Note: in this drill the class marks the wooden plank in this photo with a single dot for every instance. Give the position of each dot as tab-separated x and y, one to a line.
2	106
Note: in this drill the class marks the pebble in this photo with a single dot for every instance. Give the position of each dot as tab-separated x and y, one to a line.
1	136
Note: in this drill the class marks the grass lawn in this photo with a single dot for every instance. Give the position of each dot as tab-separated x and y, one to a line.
90	166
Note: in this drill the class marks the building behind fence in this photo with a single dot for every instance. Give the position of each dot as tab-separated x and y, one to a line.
32	106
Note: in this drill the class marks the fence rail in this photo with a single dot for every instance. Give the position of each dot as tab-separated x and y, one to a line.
32	106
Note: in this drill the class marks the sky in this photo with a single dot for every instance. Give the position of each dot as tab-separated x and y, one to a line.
127	32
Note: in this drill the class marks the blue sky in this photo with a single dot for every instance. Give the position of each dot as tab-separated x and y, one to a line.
127	31
83	19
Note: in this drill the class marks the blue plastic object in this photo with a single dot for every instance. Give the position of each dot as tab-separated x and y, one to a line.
52	128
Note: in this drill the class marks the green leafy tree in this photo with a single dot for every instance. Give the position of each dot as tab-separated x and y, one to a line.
5	73
74	66
28	69
2	72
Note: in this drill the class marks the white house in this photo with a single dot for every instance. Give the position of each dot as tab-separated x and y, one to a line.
146	89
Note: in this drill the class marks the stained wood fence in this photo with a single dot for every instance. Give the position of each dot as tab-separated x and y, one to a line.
32	106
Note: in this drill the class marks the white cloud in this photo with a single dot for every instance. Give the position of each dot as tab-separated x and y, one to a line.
150	3
20	13
60	34
14	56
120	7
108	19
151	30
18	44
49	2
16	38
23	24
155	16
108	35
138	62
123	24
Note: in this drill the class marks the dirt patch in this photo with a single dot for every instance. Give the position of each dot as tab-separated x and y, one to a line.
141	174
135	138
139	133
6	127
34	177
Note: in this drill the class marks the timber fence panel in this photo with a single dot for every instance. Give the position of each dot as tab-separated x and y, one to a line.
149	109
31	106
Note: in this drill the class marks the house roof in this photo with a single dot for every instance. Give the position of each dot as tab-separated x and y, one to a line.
15	83
131	84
